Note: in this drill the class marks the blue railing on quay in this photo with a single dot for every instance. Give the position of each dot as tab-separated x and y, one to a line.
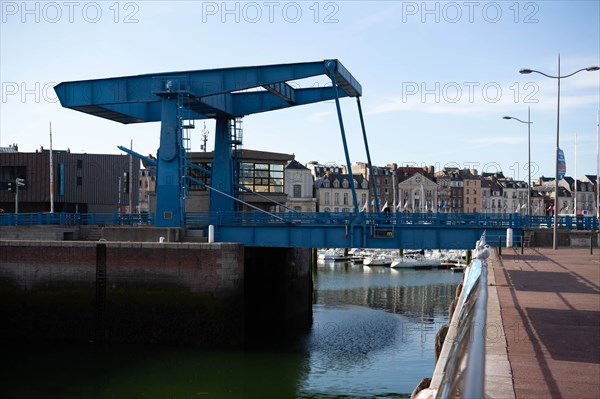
75	219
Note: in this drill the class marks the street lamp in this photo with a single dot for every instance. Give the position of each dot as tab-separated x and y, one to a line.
558	78
528	155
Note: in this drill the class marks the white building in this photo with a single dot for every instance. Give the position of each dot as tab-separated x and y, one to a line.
417	194
299	188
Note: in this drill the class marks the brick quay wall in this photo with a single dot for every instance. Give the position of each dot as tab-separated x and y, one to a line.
122	292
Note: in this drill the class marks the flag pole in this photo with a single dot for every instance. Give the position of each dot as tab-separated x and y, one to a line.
575	188
598	165
51	174
131	179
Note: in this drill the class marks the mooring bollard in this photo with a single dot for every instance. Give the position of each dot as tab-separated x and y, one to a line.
499	245
211	233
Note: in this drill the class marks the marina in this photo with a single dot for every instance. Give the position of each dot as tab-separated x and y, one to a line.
398	259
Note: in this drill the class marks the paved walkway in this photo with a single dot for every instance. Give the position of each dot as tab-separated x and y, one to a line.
550	309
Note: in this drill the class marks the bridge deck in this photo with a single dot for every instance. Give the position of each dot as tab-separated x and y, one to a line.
331	230
550	308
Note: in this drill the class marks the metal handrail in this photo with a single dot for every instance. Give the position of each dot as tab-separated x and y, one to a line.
464	372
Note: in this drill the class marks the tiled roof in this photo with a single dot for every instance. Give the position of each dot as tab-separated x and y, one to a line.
293	164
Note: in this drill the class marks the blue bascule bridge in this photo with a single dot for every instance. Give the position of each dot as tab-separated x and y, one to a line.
177	99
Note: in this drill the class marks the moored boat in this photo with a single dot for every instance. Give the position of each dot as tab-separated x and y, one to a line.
333	255
414	262
378	260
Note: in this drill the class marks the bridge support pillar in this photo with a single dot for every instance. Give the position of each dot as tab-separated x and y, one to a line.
222	169
277	292
170	207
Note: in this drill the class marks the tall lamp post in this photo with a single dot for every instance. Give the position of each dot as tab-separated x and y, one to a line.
558	78
528	155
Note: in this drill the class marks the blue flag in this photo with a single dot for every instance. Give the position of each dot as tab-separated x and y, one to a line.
562	166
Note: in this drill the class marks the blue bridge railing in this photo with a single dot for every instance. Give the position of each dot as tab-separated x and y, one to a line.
67	219
201	220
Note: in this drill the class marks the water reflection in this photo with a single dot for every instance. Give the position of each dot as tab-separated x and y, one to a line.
374	329
421	294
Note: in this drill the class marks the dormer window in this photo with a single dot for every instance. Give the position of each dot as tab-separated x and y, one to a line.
336	183
326	183
345	184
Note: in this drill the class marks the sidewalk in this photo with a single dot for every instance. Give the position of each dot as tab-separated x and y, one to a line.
550	309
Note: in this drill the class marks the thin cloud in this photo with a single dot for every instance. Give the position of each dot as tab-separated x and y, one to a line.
494	140
317	116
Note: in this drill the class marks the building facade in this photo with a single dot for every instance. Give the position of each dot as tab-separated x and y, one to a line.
85	183
299	188
334	194
418	194
261	172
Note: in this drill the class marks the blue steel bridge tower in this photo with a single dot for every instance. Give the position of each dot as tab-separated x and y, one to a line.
177	99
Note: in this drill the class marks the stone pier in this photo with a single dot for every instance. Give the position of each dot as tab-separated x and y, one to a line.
174	293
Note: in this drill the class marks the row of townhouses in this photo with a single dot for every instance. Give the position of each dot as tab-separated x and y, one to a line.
327	188
101	183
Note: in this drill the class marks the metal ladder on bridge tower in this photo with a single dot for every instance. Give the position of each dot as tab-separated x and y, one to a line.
236	139
186	124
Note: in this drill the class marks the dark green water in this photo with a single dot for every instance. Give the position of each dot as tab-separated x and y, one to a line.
373	336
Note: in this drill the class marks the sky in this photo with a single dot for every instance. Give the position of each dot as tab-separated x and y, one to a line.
437	77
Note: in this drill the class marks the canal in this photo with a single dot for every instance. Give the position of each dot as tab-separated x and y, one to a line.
373	336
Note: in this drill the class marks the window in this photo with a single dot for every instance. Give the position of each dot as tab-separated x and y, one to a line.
336	183
363	198
345	209
327	209
206	177
10	173
336	199
345	183
79	164
345	198
80	182
474	201
262	177
467	188
326	183
297	190
298	208
327	199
